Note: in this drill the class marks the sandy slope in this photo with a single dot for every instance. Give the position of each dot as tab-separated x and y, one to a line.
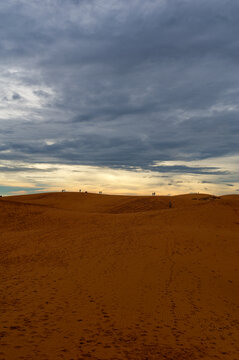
88	276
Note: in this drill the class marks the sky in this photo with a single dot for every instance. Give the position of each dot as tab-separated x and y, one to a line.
124	97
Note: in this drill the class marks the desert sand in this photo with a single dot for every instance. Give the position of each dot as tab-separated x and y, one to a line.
88	276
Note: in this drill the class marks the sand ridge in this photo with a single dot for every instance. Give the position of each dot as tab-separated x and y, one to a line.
87	276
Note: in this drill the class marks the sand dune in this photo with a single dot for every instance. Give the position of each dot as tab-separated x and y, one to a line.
86	276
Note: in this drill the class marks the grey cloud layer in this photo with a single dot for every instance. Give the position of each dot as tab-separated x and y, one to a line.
121	84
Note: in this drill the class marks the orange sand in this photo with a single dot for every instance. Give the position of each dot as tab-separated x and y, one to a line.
86	276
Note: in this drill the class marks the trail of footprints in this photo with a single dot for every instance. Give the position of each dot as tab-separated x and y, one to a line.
103	340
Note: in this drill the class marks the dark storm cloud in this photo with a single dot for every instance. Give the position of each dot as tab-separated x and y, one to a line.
133	82
16	96
189	170
23	169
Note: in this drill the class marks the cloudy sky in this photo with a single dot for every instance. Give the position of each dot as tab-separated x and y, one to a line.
121	96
